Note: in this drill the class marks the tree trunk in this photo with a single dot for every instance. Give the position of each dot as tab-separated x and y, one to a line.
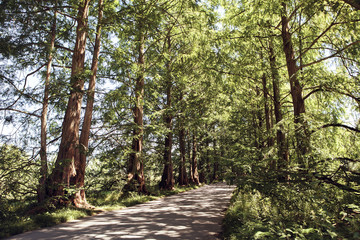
207	167
135	170
215	175
43	134
283	155
295	89
270	140
201	164
195	173
258	125
80	161
167	179
183	179
191	176
64	165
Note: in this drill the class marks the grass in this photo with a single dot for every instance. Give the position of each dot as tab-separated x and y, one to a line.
21	219
108	201
26	222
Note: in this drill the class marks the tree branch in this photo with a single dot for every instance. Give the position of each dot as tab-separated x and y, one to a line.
346	159
20	111
353	3
331	56
340	125
312	92
62	47
328	180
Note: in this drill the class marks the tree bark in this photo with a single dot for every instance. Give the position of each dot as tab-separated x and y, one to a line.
65	162
80	161
215	175
270	140
167	179
195	173
189	150
295	90
135	170
283	153
183	179
43	133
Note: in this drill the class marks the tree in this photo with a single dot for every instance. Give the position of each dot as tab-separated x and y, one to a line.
167	179
183	177
44	113
283	155
64	173
80	164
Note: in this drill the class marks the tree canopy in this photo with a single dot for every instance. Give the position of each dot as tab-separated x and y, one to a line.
120	95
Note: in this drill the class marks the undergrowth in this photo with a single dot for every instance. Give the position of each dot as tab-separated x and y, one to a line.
18	217
291	210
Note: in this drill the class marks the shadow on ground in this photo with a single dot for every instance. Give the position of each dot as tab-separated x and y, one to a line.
196	214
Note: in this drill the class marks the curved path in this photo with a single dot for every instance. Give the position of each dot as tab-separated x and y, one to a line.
195	214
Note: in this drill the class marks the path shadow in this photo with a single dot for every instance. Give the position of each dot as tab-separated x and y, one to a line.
196	214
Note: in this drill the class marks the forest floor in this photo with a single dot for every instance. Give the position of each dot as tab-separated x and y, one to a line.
195	214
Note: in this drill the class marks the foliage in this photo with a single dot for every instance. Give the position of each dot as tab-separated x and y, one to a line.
225	62
297	210
25	218
18	174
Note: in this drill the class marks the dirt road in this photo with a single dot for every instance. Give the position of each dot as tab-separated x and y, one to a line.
196	214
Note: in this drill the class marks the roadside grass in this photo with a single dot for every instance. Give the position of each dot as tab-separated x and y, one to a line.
18	218
22	220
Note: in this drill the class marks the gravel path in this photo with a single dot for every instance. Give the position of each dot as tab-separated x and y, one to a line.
195	214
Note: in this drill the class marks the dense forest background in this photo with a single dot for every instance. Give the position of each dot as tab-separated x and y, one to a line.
119	96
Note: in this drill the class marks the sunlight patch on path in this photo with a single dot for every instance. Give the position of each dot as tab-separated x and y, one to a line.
195	214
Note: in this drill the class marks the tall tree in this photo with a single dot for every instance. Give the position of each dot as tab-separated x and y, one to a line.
283	155
80	161
183	177
194	161
295	87
64	170
44	112
167	179
135	170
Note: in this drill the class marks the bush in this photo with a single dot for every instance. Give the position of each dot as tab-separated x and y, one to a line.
296	210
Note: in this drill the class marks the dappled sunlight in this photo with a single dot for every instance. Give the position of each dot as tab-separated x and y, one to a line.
196	214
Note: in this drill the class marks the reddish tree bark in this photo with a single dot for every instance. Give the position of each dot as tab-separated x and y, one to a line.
189	151
302	138
295	87
80	161
64	165
167	178
135	170
182	179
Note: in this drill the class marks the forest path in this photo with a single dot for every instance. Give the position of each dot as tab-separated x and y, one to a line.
195	214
